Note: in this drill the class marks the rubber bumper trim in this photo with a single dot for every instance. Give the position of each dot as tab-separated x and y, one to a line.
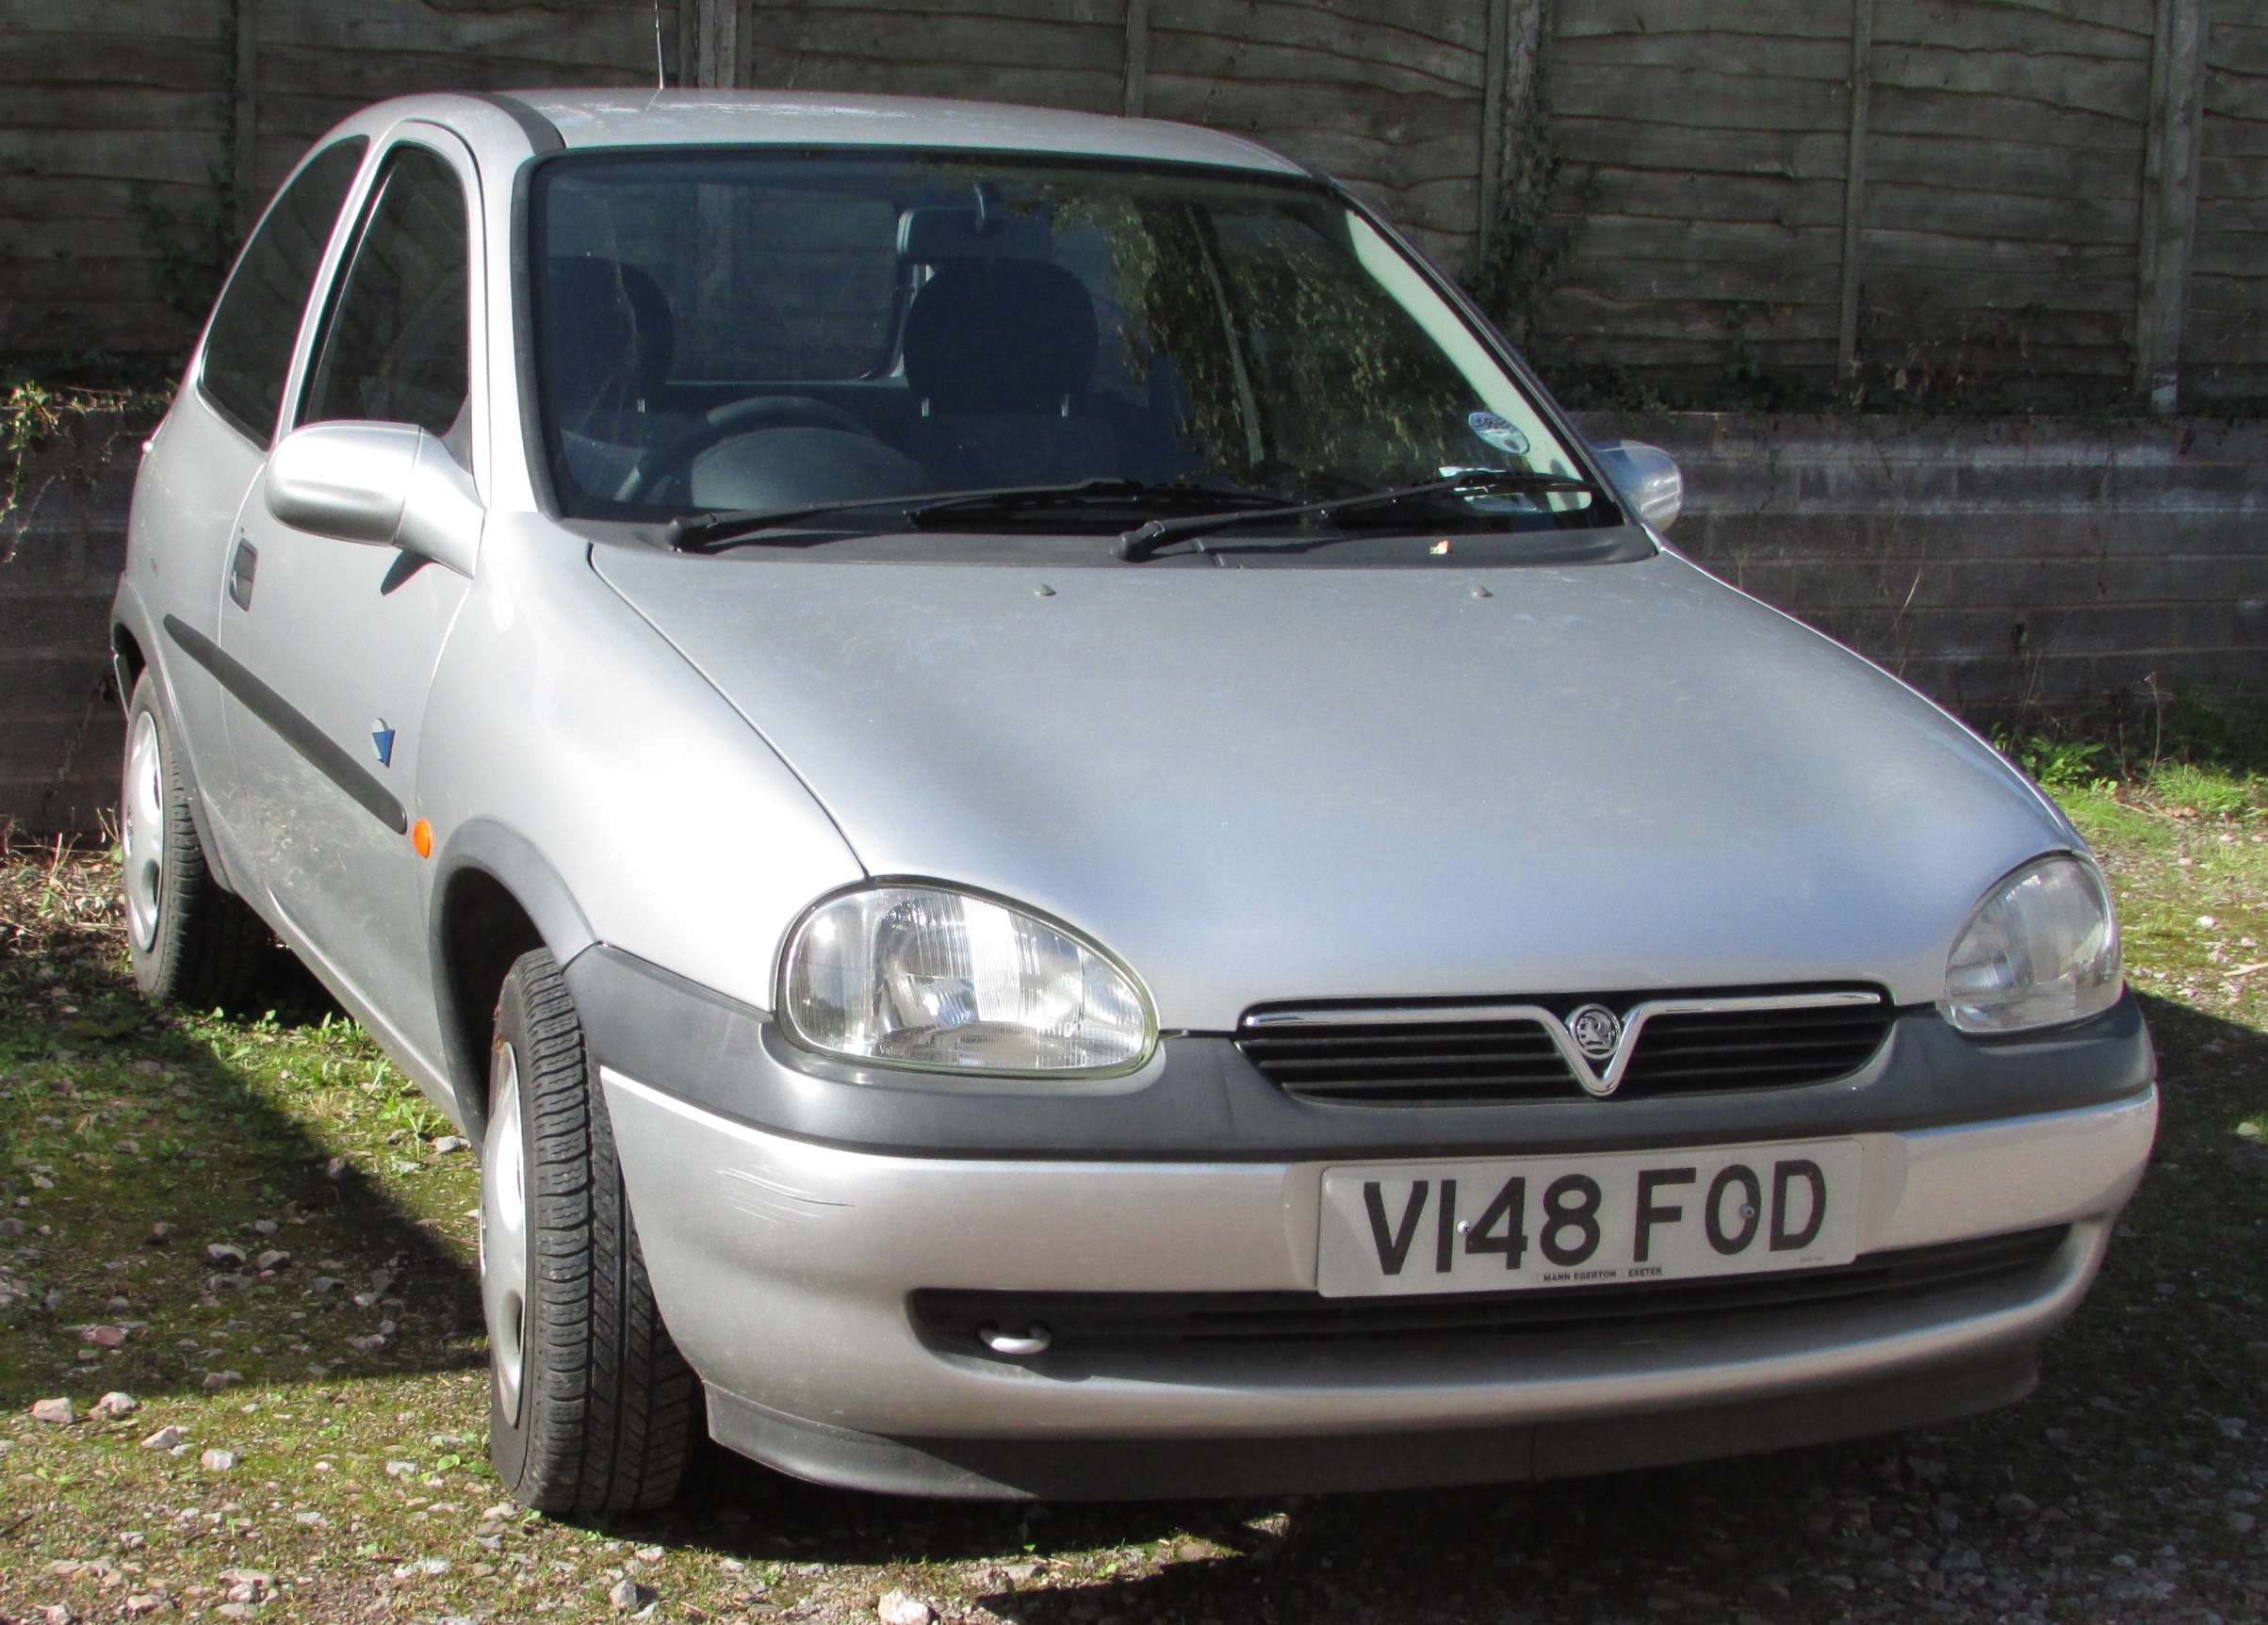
1205	1101
1168	1468
291	725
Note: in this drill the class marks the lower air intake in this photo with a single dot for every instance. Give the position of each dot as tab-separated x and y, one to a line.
1101	1322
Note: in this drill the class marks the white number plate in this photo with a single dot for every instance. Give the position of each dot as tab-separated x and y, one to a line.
1587	1221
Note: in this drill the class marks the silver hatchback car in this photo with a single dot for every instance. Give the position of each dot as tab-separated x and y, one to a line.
1062	840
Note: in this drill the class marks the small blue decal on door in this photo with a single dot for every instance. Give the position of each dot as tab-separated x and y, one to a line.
382	737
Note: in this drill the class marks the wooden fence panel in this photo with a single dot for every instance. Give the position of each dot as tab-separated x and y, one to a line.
1062	56
2225	340
112	119
124	127
1962	197
1974	274
320	62
1989	246
1702	195
1384	93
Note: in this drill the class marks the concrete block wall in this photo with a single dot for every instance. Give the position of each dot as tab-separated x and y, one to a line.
1996	564
61	547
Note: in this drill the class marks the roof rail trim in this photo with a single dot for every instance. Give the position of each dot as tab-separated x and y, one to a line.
543	134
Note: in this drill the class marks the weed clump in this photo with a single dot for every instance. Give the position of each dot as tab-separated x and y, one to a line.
2202	754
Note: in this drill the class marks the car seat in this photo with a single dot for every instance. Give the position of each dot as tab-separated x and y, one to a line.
608	339
1000	351
608	346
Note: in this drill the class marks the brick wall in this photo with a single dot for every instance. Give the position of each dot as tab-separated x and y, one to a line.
1995	564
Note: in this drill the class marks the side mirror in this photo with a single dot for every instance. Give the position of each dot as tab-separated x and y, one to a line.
389	484
1647	475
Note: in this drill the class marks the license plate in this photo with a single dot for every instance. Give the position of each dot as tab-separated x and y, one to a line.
1614	1217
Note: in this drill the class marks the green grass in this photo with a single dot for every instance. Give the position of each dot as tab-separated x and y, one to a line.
361	1486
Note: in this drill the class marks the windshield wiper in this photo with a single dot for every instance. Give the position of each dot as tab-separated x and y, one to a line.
1144	541
709	532
1085	494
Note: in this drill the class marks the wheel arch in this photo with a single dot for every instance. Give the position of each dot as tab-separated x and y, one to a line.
133	656
127	662
496	897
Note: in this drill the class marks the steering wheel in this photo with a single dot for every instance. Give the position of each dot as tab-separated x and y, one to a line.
673	462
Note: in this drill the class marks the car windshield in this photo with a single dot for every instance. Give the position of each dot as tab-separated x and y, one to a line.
754	329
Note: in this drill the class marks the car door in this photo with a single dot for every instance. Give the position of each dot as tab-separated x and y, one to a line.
345	636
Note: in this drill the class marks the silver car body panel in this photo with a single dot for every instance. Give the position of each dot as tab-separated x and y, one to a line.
790	118
783	1269
1251	784
373	626
623	830
1625	776
180	531
672	824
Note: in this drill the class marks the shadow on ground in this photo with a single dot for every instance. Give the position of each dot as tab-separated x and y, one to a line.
2113	1492
2112	1489
137	1140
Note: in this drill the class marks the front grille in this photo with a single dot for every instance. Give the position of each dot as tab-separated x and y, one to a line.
1105	1323
1737	1051
1448	1055
1447	1061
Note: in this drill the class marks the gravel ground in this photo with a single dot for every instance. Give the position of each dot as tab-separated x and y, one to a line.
342	1384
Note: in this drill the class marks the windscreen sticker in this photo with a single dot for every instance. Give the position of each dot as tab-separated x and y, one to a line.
1495	431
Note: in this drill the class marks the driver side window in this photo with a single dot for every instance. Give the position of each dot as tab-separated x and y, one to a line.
394	342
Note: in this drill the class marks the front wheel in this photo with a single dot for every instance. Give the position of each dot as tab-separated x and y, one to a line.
189	940
591	1405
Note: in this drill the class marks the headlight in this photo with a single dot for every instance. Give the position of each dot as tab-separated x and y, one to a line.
920	976
2042	948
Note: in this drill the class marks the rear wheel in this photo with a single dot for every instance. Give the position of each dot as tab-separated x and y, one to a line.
591	1407
189	939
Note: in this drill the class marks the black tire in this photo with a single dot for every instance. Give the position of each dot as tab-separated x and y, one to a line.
604	1416
189	939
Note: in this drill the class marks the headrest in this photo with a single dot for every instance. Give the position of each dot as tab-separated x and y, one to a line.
934	234
608	333
999	335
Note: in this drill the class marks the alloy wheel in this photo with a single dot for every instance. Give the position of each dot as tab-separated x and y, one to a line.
143	814
504	1231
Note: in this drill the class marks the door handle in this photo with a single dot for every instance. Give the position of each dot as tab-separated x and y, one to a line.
241	568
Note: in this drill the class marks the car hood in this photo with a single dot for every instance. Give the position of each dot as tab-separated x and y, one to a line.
1311	782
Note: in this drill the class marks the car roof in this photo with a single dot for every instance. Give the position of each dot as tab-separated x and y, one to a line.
623	118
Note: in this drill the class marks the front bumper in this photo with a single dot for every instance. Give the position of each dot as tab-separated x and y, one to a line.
784	1269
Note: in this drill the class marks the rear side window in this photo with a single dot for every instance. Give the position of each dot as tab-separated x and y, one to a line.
249	349
393	347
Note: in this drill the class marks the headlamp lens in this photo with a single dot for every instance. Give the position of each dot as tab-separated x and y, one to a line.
928	977
2041	950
